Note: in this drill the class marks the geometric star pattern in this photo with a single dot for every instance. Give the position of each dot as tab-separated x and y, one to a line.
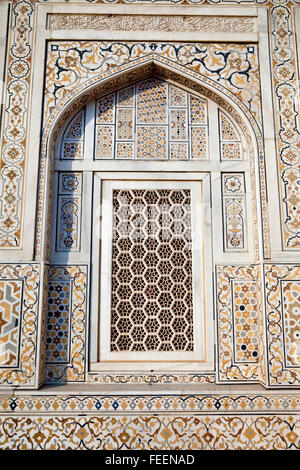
10	308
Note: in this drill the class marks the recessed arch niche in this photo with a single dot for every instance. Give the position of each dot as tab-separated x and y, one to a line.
169	79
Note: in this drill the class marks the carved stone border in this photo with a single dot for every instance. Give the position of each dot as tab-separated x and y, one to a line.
156	402
286	114
13	146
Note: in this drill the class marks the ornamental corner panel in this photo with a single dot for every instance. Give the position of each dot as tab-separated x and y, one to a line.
282	293
19	326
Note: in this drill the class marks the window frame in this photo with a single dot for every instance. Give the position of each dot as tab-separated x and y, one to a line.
180	361
210	170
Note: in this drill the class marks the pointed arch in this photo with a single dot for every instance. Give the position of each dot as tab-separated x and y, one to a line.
138	69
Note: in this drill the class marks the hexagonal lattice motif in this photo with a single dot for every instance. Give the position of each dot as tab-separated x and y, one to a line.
152	301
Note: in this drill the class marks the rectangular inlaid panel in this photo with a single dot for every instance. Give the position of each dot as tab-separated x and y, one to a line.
152	143
152	96
73	138
66	324
245	321
72	150
179	150
125	124
68	220
58	321
152	432
240	336
198	110
282	287
177	97
105	110
126	97
290	291
199	142
231	151
105	142
178	124
234	211
125	150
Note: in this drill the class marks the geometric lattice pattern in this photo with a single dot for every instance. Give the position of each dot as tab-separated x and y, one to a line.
19	306
151	120
72	147
10	317
231	147
66	324
58	319
152	301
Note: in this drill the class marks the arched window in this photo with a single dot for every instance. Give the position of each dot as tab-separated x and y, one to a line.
151	185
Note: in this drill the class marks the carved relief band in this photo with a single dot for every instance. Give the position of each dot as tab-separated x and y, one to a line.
152	23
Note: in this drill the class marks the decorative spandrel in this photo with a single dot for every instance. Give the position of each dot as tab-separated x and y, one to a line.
152	288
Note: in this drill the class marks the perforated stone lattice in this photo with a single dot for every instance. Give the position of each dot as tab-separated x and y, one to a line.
152	298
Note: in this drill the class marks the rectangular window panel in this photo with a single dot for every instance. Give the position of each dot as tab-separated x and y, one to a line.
152	299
